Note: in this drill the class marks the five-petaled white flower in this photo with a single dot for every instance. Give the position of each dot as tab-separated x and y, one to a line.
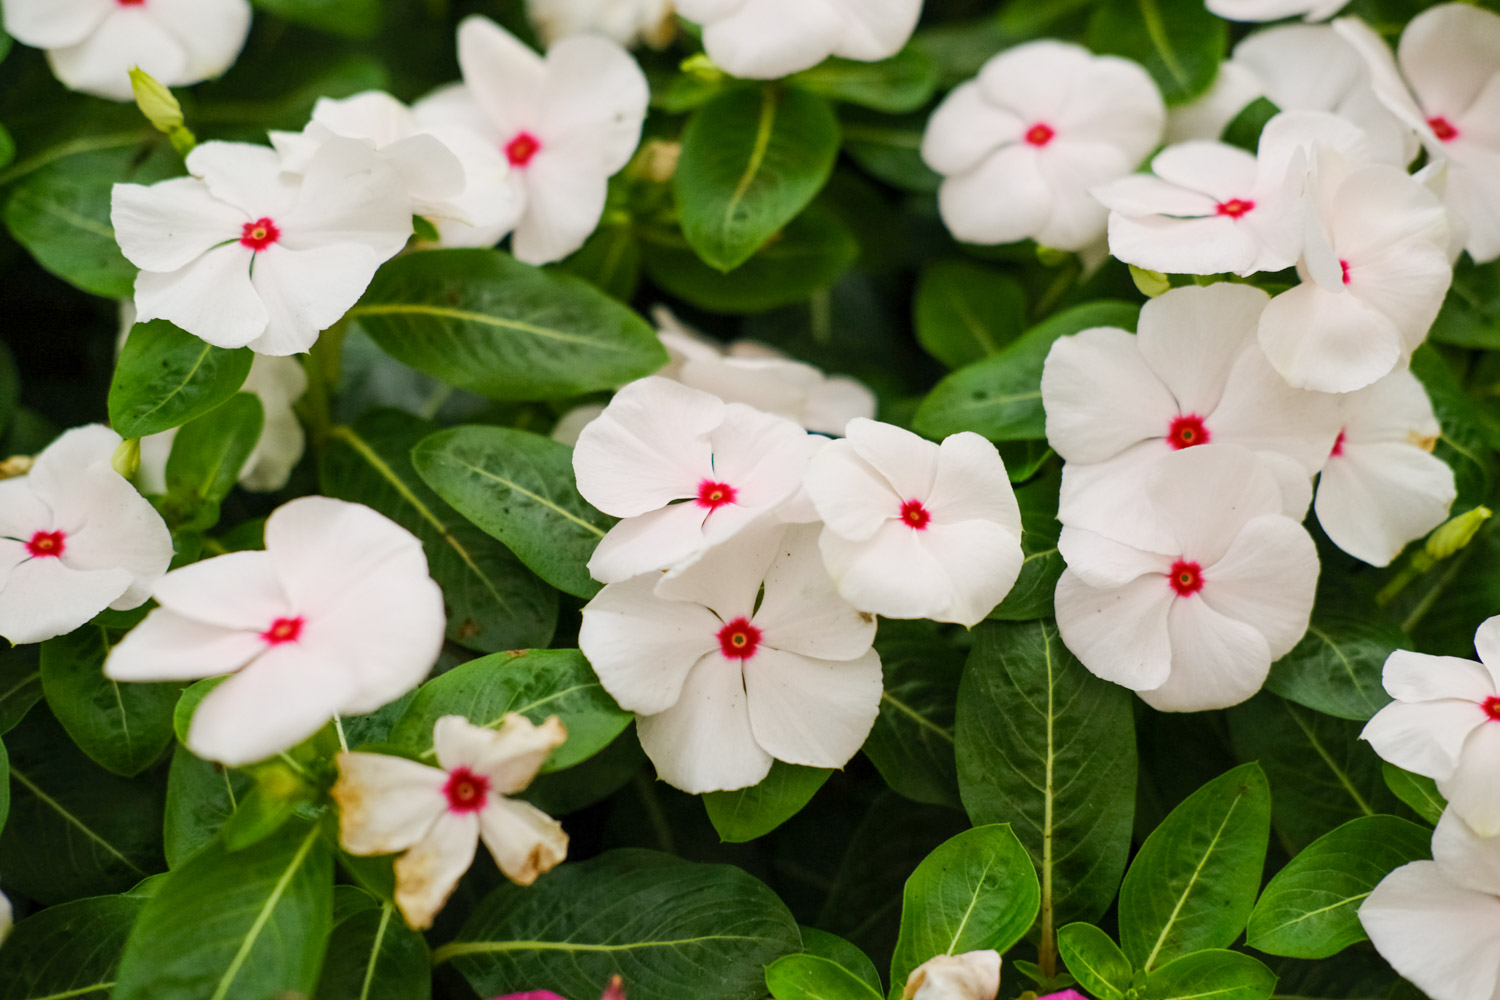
566	124
1275	10
766	39
746	655
337	616
1445	723
974	975
685	470
913	529
1195	625
1436	921
93	44
242	254
75	538
438	815
626	21
1021	147
1381	486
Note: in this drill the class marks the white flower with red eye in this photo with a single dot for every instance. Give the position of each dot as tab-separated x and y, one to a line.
75	538
685	470
913	529
1436	922
93	44
746	655
1448	89
626	21
1445	724
1381	486
566	124
1193	624
242	254
1118	404
974	975
449	172
1021	147
336	617
767	39
436	816
1275	10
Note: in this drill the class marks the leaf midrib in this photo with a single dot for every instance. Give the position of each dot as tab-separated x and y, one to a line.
484	319
1197	871
58	807
264	917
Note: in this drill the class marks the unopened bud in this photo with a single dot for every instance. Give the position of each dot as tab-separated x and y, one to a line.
615	990
657	161
1049	257
127	457
16	465
1151	283
161	109
702	68
1456	533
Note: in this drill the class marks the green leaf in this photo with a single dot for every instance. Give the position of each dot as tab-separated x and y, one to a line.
1465	443
1001	395
752	159
208	455
494	602
1095	961
71	950
483	321
373	955
889	148
1470	316
166	377
840	952
1046	745
1032	596
536	683
4	786
808	977
1417	790
750	813
666	925
242	926
352	18
1225	975
904	82
911	744
966	312
20	684
518	487
125	728
1337	666
1193	883
1311	908
978	890
7	144
201	798
10	389
1179	42
610	260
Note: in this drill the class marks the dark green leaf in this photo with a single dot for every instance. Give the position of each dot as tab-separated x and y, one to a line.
10	389
889	148
904	82
69	951
966	311
1178	41
808	977
1095	961
840	952
1336	668
610	260
166	377
1416	790
373	955
912	742
20	683
1471	313
201	797
354	18
750	813
208	455
1032	596
1465	444
1225	975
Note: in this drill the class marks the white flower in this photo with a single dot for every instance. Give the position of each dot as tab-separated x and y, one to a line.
1234	89
1381	486
336	616
974	975
449	172
723	682
1450	60
438	815
1195	625
1438	922
1375	269
626	21
1118	404
566	124
914	529
1275	10
1020	147
93	44
244	254
685	470
75	538
1445	723
766	39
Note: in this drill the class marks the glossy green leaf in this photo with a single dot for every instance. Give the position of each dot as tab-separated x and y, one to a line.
1179	42
912	741
1467	443
840	952
808	977
201	798
750	813
71	950
208	455
966	312
20	683
1336	668
1416	790
1225	975
373	955
1095	961
889	148
1032	595
1470	316
166	377
904	82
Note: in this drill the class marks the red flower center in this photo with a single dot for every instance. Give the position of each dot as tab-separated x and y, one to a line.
1040	134
522	148
1344	266
714	495
1186	578
915	515
1491	706
1338	446
739	639
131	3
1187	431
283	630
259	234
466	791
1442	128
1236	208
47	543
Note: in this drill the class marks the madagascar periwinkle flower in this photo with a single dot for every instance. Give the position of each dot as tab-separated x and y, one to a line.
766	39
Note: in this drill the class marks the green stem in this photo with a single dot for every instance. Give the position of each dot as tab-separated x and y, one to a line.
322	365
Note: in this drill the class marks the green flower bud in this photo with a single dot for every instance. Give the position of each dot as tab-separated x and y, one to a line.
127	457
1454	534
1151	283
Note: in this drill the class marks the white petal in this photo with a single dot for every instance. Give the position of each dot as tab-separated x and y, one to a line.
648	448
244	175
42	598
892	573
1104	562
703	743
1193	337
1412	677
1118	633
1208	494
169	647
1004	199
1259	411
773	38
965	129
1375	498
1109	498
127	37
386	803
973	975
212	32
1267	579
1207	245
1216	661
1487	643
809	711
907	461
981	559
427	874
525	841
168	225
566	190
1444	938
761	455
307	291
114	527
594	88
727	578
1101	396
801	612
1473	791
1327	341
504	76
1464	855
239	590
877	29
1234	89
655	540
1074	168
972	484
212	297
1424	737
642	647
348	196
55	23
325	548
510	756
850	495
1449	53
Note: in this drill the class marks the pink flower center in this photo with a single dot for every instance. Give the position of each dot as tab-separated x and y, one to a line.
1236	208
47	543
1442	128
1186	578
1344	266
283	630
714	495
1491	706
1040	134
1187	431
466	791
915	515
259	234
131	3
739	639
1338	446
522	148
